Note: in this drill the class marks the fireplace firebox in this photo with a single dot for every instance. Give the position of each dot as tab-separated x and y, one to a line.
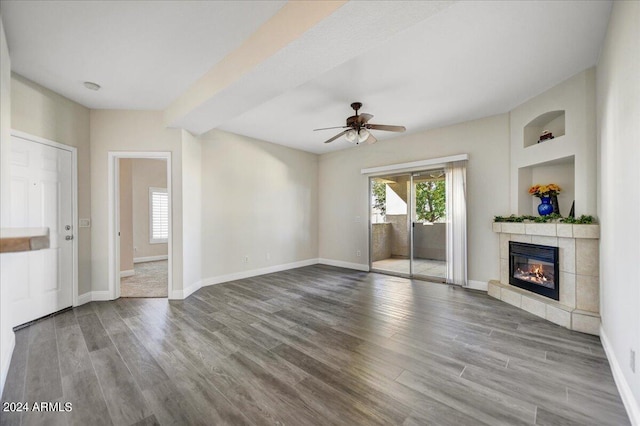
535	268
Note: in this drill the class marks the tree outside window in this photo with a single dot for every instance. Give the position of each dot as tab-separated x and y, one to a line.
430	200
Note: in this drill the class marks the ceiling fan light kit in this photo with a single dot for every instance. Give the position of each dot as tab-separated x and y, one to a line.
358	128
363	135
351	135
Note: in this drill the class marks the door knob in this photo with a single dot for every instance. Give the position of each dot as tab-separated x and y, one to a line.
68	237
68	227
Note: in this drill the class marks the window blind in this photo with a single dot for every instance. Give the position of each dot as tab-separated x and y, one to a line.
159	212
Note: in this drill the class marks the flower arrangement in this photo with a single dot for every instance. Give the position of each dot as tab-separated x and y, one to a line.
548	190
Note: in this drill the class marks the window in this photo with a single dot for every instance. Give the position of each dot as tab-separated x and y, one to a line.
158	215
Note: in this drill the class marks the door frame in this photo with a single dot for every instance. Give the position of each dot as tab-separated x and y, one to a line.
74	197
114	216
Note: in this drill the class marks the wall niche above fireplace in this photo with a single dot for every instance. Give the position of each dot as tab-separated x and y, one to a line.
569	159
553	121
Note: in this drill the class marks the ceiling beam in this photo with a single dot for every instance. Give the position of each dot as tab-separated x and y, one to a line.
293	20
302	41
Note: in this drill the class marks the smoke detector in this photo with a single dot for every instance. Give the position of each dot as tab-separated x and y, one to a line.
91	85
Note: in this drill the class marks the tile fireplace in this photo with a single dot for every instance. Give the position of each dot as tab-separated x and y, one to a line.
556	266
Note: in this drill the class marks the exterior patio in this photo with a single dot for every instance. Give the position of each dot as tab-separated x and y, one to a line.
421	267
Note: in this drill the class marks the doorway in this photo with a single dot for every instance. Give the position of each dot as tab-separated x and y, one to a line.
141	224
408	234
43	195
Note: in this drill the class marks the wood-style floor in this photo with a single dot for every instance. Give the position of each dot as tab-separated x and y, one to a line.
312	346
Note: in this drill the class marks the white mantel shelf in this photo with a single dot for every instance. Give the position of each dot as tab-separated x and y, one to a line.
564	230
579	305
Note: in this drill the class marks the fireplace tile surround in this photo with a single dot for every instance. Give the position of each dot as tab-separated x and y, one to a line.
579	305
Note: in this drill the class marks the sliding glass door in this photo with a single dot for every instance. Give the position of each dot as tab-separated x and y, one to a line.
390	239
408	224
429	225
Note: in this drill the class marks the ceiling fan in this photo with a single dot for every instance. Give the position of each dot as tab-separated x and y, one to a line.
358	126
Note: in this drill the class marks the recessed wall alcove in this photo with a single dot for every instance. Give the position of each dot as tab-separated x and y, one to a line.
569	159
560	171
553	121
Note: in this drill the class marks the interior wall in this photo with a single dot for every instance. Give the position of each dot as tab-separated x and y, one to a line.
618	95
146	173
259	200
7	338
126	215
5	130
126	130
191	210
343	190
42	112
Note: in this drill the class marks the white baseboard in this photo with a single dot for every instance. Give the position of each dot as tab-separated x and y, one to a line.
97	296
184	293
94	296
630	403
341	264
478	285
7	362
128	273
84	298
150	258
255	272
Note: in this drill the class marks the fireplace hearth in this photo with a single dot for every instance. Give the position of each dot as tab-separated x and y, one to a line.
575	263
535	268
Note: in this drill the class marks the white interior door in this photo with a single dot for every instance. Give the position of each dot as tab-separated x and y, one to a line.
42	196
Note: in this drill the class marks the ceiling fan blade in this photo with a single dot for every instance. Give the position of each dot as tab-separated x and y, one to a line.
336	137
386	127
364	117
328	128
371	139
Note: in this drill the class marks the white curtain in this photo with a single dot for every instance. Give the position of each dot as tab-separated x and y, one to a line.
456	187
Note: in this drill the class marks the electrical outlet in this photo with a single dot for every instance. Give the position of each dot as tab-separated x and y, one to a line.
135	249
268	256
245	259
632	361
356	219
358	253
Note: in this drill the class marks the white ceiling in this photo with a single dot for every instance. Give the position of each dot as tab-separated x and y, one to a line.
472	60
333	41
417	64
144	54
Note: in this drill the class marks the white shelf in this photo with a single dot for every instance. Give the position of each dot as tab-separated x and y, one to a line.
555	150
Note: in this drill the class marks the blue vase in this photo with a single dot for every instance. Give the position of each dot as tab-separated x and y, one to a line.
545	208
